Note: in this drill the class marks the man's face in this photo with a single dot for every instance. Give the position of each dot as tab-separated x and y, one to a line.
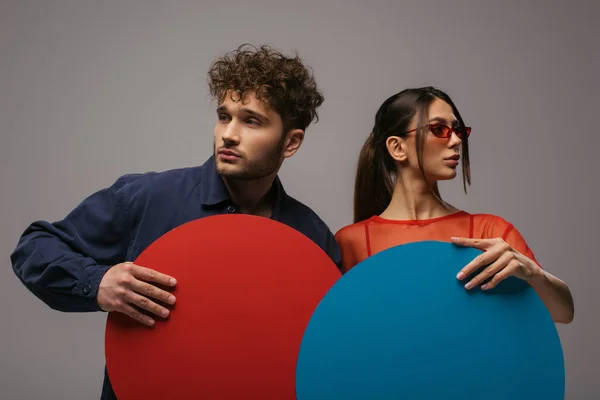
249	139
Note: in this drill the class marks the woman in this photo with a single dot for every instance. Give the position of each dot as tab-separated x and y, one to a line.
418	139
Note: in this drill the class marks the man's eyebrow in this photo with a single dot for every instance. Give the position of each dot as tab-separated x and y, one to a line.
245	110
254	113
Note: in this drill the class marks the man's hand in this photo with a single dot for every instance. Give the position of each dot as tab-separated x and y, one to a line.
501	260
127	285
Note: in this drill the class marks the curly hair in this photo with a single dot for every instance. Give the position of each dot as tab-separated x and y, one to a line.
281	83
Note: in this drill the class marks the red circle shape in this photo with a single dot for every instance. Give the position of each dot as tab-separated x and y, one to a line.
246	289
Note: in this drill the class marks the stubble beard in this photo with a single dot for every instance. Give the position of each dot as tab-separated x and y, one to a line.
247	170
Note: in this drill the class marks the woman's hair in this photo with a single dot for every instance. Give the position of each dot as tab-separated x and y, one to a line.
282	83
374	182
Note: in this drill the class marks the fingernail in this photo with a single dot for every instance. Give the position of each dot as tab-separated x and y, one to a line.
484	287
165	313
468	286
454	239
172	281
460	275
150	322
172	299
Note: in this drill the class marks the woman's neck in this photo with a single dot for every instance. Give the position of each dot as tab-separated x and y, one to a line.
414	199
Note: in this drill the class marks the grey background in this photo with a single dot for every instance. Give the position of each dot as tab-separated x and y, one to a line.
92	90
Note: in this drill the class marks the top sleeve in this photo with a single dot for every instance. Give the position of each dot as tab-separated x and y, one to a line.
511	235
353	245
514	238
333	251
63	262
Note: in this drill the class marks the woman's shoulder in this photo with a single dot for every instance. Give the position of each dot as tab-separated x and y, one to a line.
491	225
487	217
351	232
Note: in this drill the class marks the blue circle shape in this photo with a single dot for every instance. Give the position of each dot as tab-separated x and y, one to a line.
399	325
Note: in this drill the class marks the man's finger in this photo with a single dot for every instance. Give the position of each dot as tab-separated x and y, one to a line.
146	304
135	314
150	291
150	275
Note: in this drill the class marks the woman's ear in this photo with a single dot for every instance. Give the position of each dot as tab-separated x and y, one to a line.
396	147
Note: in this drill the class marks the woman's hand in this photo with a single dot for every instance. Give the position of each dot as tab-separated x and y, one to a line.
502	261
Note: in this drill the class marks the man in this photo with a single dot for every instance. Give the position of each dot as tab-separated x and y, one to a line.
83	262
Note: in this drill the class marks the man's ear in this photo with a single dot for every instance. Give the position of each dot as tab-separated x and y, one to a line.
396	147
293	141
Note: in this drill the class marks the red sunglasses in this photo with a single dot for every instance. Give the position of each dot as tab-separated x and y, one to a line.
444	132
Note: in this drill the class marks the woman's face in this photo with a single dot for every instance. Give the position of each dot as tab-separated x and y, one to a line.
440	155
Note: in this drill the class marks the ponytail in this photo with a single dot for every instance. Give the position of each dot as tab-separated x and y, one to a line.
373	186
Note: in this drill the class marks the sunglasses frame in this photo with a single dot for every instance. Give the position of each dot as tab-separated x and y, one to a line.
460	132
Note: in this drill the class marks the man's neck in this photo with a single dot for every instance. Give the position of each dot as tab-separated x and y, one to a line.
253	196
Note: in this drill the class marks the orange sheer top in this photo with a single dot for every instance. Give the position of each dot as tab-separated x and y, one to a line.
363	239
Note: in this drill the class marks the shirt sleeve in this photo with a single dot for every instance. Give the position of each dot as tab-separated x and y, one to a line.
514	238
63	262
352	242
501	228
333	250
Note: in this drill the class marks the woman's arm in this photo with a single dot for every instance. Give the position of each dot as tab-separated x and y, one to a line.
555	294
502	260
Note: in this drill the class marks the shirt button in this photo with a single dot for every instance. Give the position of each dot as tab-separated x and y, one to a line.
86	289
231	209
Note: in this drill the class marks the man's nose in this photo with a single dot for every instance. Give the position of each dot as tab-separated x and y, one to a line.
231	135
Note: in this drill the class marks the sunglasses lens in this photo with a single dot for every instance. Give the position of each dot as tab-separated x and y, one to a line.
440	131
444	132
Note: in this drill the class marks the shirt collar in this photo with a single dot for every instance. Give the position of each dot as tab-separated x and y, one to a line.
213	190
